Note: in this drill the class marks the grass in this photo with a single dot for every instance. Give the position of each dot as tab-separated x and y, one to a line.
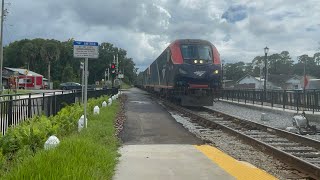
125	86
19	91
91	154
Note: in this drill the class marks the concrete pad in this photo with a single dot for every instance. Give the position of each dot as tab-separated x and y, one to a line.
166	162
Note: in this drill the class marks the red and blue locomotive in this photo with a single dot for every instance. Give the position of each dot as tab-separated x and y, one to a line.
187	71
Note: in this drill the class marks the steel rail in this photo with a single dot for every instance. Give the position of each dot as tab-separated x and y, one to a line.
296	162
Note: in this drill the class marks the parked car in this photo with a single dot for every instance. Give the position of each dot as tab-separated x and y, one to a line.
70	86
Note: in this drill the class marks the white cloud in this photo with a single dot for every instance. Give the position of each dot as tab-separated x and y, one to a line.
145	27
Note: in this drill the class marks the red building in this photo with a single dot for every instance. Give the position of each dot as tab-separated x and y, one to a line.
25	79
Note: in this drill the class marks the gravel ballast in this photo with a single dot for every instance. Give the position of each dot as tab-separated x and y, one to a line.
236	148
274	119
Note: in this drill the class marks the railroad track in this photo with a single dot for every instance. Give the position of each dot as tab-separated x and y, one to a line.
295	150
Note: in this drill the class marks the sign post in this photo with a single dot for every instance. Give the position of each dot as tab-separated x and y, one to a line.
82	81
85	50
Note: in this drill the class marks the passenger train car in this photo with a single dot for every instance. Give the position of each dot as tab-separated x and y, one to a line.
187	71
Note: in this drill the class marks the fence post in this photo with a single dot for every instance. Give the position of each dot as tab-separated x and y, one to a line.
314	101
228	95
54	103
254	96
271	98
74	96
9	110
232	96
245	97
29	106
284	99
43	102
238	95
298	100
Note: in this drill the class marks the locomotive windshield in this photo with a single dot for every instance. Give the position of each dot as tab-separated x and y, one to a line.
192	51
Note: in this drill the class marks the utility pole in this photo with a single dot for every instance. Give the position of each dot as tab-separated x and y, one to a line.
112	78
108	74
117	64
1	48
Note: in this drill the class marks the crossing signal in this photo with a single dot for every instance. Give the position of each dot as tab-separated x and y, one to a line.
113	70
113	66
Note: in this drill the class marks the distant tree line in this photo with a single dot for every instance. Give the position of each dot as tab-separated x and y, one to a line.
54	57
277	64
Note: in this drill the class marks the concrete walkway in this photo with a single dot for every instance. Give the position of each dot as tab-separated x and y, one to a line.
169	162
156	147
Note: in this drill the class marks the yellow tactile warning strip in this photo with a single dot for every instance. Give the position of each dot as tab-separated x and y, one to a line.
237	169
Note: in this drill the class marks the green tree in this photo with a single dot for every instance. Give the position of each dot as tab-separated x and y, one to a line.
42	54
29	53
235	71
50	53
316	58
311	67
67	74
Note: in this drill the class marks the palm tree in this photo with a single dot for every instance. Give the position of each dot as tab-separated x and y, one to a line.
316	58
29	52
49	53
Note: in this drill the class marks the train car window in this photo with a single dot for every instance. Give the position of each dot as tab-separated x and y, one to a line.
204	52
191	52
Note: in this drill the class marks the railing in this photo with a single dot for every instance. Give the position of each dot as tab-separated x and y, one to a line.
295	100
15	109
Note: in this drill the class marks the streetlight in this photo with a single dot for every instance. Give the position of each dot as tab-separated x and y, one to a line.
222	74
266	50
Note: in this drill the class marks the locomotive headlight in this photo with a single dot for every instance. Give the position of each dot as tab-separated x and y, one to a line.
216	72
195	61
201	61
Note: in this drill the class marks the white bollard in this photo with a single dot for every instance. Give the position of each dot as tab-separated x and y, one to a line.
109	102
51	143
104	104
96	110
81	123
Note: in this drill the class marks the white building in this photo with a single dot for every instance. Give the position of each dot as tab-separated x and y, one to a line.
277	82
250	82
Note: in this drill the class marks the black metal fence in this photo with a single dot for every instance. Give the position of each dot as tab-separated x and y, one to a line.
294	100
17	108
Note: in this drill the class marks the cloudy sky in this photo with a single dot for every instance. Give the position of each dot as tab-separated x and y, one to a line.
240	29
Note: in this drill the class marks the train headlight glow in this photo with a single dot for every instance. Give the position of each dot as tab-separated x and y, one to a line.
216	72
201	61
195	61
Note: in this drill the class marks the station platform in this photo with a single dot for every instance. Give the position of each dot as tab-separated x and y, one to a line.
156	147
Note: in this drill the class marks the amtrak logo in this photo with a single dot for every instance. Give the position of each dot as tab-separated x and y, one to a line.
199	73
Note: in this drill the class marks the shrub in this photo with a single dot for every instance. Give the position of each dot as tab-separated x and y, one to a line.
30	135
